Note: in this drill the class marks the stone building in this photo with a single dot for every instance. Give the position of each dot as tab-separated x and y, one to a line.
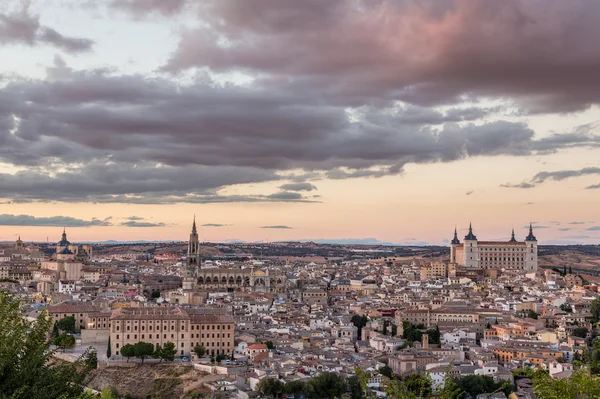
512	254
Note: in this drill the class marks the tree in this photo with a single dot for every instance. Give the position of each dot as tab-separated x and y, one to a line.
65	341
270	387
418	384
108	349
478	384
565	307
26	366
110	393
220	357
359	321
394	330
570	269
581	385
355	388
595	310
387	371
66	324
157	352
395	389
167	352
199	350
384	331
532	314
580	332
326	385
143	350
296	388
128	351
270	345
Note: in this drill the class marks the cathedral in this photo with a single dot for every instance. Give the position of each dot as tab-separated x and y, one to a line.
227	279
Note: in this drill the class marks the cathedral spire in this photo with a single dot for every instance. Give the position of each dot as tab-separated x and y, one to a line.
512	238
530	237
194	231
470	236
455	239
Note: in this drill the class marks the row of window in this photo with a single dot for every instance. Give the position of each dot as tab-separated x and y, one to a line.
166	328
143	336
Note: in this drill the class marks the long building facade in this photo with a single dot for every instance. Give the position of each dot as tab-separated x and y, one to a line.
510	255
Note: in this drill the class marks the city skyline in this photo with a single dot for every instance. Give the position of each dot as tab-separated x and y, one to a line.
351	120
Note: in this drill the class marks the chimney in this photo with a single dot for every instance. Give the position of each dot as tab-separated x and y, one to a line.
425	341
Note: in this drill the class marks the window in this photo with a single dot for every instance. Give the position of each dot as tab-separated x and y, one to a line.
117	337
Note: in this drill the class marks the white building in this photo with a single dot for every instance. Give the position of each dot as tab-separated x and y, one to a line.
513	254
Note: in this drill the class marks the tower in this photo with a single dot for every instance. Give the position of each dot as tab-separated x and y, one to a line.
455	241
19	243
192	262
471	252
512	237
531	261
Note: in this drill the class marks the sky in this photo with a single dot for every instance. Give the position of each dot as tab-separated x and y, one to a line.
370	120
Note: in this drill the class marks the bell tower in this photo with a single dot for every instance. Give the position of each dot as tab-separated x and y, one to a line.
192	260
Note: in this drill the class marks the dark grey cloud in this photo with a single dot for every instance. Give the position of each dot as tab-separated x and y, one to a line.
536	227
135	218
276	227
135	223
565	229
214	225
426	52
55	221
558	175
593	187
469	192
298	187
577	222
144	7
21	27
593	228
518	185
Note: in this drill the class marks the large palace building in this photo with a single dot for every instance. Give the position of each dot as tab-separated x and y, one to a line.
510	255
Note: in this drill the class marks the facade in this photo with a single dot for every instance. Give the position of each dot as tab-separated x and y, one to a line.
511	255
222	279
186	328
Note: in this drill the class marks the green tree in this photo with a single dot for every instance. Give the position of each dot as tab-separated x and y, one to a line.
65	341
199	350
387	371
581	385
326	385
580	332
394	330
565	307
360	322
143	350
384	331
220	357
110	393
355	388
27	369
296	388
270	387
418	384
128	351
66	324
532	314
396	389
167	352
478	384
109	349
270	345
595	310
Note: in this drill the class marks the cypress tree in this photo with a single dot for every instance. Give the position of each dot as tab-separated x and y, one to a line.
108	350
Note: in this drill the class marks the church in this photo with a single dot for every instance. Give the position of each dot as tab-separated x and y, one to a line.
508	255
221	279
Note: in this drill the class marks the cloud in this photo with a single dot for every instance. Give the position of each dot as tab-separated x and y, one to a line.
54	221
577	222
215	225
298	187
593	187
276	227
565	229
441	51
559	175
133	223
135	218
470	192
519	185
593	228
23	28
536	227
144	7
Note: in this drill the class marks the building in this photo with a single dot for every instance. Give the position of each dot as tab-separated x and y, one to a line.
186	328
512	254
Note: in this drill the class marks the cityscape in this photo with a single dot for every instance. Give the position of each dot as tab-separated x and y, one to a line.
299	199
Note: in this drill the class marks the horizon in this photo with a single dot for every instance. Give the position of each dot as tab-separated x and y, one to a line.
402	120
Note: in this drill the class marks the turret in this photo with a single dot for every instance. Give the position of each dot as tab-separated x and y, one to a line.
471	251
455	241
512	238
531	261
